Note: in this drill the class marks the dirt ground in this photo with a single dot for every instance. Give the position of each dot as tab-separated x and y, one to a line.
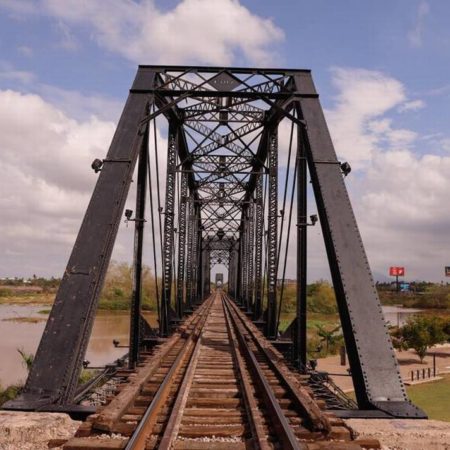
404	434
32	431
408	361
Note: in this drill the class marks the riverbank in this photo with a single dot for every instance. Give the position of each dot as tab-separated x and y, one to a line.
432	395
41	298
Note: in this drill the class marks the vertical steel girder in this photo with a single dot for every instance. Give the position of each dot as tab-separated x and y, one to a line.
272	235
238	295
231	290
139	220
182	243
199	251
169	216
58	361
259	234
300	334
206	273
232	271
190	252
374	368
245	257
251	240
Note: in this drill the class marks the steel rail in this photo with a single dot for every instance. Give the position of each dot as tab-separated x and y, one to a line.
281	424
111	414
317	420
251	406
312	413
138	439
173	424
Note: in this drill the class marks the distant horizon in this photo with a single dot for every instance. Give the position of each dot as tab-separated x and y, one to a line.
386	280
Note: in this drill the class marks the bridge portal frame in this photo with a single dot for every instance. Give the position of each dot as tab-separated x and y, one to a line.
58	362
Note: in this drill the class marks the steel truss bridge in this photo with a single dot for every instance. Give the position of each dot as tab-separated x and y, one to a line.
240	146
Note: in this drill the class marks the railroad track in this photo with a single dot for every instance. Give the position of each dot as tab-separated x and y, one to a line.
217	385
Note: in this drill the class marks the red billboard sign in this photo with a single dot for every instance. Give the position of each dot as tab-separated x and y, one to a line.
447	271
397	271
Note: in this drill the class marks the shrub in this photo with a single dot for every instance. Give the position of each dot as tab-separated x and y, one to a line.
321	298
9	393
118	288
420	333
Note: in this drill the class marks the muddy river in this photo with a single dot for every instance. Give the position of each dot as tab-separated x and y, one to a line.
16	333
21	327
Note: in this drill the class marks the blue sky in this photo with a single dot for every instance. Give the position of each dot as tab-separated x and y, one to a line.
382	69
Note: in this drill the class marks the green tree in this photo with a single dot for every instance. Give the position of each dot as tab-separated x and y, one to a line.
329	337
420	333
321	298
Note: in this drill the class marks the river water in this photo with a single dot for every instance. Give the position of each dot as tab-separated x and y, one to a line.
17	334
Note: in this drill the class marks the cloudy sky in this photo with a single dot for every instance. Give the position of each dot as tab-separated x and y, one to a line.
382	69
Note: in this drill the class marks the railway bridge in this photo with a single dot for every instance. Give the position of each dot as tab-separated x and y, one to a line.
222	163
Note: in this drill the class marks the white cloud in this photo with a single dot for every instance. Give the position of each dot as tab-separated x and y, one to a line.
47	182
67	39
445	144
400	196
80	105
25	50
413	105
404	218
439	91
194	31
9	73
19	7
363	97
415	35
46	179
77	105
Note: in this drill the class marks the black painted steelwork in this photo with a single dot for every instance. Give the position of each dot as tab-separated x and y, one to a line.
139	220
222	179
272	235
300	330
259	235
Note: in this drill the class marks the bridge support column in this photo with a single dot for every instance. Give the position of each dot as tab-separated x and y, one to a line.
300	335
166	309
54	375
199	269
250	256
190	256
244	257
259	234
182	243
238	296
232	271
206	273
375	372
139	220
272	235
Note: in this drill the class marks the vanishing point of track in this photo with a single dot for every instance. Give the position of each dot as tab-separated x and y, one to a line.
215	384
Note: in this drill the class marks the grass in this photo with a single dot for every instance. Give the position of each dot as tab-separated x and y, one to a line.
25	319
86	375
313	319
433	398
9	393
28	299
